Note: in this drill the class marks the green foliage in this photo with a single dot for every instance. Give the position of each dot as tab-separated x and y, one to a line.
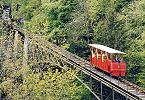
117	24
141	77
48	85
73	24
45	17
133	16
40	79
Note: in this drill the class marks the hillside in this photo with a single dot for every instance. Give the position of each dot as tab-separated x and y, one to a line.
72	24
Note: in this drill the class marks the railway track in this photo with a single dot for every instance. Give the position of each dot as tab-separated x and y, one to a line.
122	86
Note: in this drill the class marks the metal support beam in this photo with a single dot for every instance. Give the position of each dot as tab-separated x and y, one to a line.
25	55
101	90
113	96
126	97
15	43
90	82
86	68
81	75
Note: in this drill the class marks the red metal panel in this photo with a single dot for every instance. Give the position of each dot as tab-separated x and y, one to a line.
91	59
115	73
100	63
123	68
94	60
118	69
103	66
115	68
106	66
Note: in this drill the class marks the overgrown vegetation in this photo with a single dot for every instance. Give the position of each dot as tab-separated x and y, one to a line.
73	24
41	77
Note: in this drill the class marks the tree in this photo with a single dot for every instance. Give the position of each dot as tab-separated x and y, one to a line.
40	78
75	23
47	85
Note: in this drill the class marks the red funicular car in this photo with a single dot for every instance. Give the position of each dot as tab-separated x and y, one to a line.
106	59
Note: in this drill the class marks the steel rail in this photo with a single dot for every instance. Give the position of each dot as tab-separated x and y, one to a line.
87	68
52	52
121	89
73	60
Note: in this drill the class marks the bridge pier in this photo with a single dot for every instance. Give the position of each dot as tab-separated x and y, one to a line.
113	94
25	49
90	82
86	68
15	48
101	90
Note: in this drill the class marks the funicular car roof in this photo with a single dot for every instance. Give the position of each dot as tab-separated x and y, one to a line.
105	48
